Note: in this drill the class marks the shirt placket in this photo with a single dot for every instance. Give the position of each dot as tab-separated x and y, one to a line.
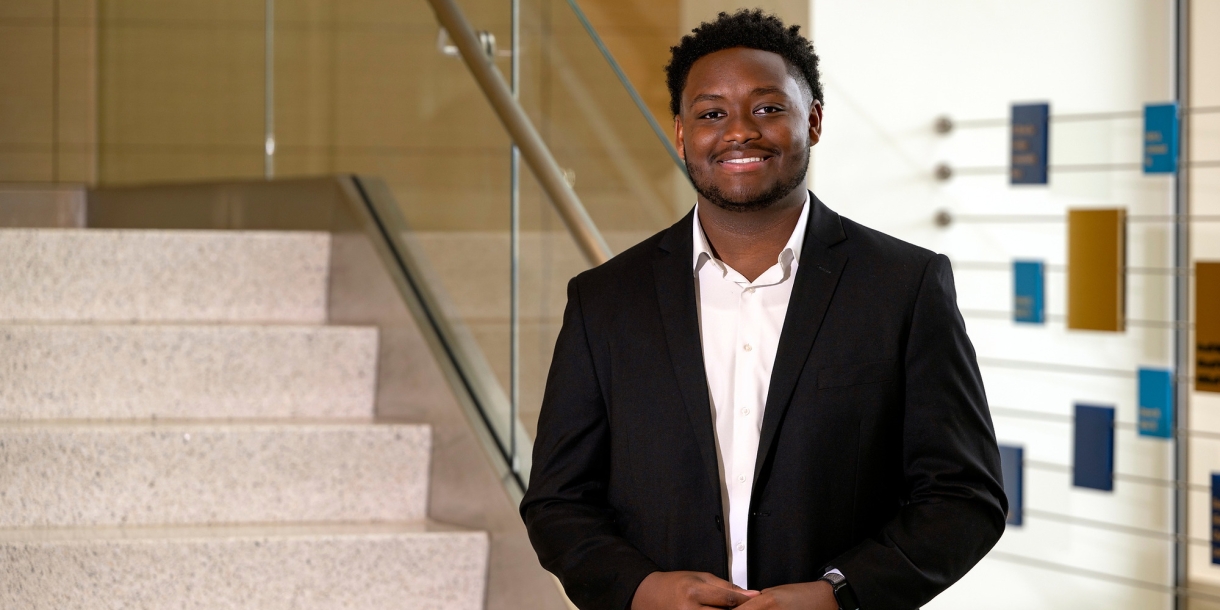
745	392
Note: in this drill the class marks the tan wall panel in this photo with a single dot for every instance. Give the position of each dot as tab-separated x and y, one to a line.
1096	269
1207	326
26	89
76	144
793	12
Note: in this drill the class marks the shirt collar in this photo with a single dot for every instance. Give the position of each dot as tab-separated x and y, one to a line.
791	251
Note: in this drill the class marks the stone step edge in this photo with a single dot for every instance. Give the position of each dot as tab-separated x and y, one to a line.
211	424
254	531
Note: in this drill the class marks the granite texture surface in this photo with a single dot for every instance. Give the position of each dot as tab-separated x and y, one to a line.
110	275
258	568
130	371
58	474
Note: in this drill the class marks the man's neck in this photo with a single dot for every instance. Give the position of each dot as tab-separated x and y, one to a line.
750	242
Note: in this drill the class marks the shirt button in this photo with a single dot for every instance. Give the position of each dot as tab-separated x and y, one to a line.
749	291
745	411
748	347
741	546
741	478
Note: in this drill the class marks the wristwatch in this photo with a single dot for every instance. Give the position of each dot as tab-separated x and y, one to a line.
843	593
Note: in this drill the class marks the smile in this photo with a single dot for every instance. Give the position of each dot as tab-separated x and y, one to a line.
745	160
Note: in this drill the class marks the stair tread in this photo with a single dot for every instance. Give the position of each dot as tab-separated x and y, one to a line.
124	275
112	473
418	527
173	370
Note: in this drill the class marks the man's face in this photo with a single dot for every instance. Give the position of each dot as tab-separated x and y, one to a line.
745	129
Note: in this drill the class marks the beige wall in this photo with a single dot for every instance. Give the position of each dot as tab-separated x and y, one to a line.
47	87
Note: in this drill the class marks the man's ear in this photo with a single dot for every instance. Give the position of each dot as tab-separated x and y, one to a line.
679	139
815	122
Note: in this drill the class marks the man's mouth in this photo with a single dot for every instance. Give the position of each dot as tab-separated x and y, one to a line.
741	164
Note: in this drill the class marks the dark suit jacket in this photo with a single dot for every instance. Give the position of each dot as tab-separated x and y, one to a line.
877	454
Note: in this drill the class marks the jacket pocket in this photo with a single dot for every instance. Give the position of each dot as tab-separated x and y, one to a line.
857	374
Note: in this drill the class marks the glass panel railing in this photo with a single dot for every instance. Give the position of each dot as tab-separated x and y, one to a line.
613	142
254	89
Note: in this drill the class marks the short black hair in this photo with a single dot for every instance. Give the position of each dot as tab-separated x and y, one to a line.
752	29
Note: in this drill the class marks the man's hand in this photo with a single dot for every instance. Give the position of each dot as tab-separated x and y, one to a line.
817	595
689	591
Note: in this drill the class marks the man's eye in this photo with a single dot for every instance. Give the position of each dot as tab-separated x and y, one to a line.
768	109
713	114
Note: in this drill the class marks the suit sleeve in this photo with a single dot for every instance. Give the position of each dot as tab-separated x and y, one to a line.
570	523
955	505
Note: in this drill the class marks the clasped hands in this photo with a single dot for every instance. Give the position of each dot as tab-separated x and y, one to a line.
701	591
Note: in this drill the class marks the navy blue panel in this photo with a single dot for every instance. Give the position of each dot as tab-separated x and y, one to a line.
1093	463
1012	467
1030	143
1216	518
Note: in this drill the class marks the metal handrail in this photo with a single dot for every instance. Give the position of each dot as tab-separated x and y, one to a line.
533	149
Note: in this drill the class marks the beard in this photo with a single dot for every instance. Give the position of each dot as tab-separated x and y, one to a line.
748	202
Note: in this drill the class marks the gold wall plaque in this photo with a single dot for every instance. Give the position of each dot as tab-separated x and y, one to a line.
1097	260
1207	326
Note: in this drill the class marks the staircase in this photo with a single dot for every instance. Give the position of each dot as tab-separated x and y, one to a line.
179	428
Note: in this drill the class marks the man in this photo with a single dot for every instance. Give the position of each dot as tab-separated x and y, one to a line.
766	405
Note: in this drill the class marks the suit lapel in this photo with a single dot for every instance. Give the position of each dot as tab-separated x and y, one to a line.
675	280
814	285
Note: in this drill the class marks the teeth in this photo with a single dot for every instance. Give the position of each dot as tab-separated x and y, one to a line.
745	160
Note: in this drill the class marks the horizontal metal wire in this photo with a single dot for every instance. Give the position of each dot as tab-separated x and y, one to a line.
945	171
1068	419
1055	268
1073	117
1062	218
1000	314
1064	568
1113	527
1056	367
1119	476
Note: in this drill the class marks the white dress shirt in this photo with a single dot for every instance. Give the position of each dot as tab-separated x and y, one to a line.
740	323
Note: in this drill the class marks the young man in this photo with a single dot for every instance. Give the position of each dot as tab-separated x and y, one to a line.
766	405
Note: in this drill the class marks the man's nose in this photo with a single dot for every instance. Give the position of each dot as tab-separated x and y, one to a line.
742	127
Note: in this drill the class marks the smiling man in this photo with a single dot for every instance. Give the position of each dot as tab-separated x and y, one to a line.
766	405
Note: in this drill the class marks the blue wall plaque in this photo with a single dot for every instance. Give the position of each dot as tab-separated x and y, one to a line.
1030	139
1093	455
1216	517
1161	138
1156	403
1028	280
1012	467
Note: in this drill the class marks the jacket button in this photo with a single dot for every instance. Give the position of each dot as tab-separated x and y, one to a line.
719	523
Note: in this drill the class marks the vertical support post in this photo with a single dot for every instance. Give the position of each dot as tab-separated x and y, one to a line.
1181	296
514	353
55	91
269	90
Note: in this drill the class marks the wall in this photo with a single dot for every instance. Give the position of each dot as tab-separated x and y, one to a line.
1204	182
48	130
893	67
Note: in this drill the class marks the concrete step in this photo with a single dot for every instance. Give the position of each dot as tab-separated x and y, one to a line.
421	566
85	474
111	275
134	371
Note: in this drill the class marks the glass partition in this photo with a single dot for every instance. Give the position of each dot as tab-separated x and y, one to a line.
257	89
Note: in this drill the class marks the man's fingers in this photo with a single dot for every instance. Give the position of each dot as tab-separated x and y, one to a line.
712	579
717	596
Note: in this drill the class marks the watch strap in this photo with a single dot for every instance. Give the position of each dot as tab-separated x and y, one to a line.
843	592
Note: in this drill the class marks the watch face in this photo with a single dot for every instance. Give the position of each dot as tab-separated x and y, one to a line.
833	578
